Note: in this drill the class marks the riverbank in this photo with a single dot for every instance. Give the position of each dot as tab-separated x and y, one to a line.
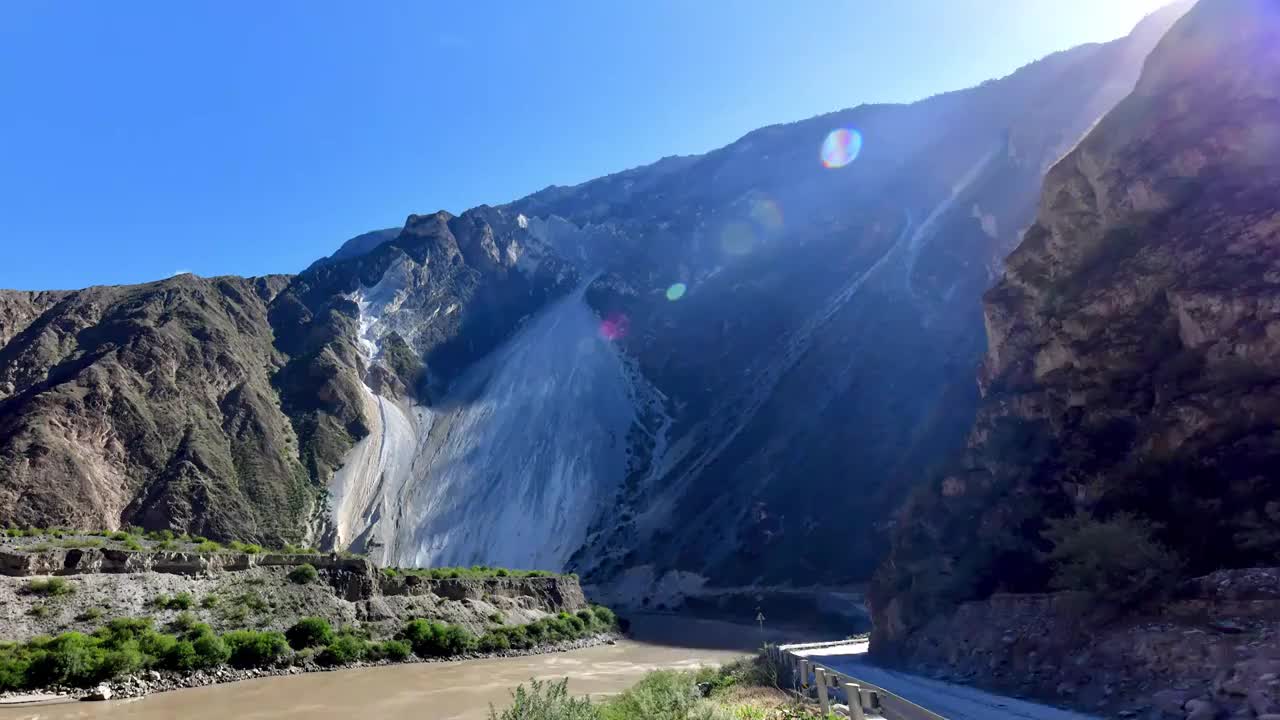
148	682
461	690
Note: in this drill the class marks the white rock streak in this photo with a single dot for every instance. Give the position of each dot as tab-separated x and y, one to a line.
510	468
524	452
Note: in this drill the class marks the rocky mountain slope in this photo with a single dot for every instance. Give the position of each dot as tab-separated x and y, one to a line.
1132	378
720	369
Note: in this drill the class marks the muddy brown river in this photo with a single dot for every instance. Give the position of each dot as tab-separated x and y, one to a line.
436	691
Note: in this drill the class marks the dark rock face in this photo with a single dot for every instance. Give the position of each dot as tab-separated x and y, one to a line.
1133	362
823	356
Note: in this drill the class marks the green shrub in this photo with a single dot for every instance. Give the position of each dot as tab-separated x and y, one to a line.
209	601
546	701
395	650
577	626
89	614
182	657
344	650
122	630
69	659
49	587
432	639
518	636
183	622
250	601
39	611
161	535
587	617
1115	560
309	632
178	601
501	572
131	543
605	617
78	543
304	574
208	546
493	642
661	695
538	631
250	648
246	548
119	536
496	618
210	650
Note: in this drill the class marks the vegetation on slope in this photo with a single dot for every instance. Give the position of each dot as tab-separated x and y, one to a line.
127	645
744	690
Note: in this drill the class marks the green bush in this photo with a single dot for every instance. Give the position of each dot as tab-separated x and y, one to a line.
661	695
209	601
546	701
208	546
179	601
89	614
588	618
183	622
210	649
577	626
131	543
605	617
39	611
432	639
395	650
49	587
182	657
247	548
250	648
119	536
309	632
493	641
344	650
304	574
1115	561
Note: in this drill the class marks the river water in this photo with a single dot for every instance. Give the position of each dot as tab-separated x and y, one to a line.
431	691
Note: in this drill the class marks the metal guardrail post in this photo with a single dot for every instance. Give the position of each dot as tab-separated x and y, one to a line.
820	682
853	696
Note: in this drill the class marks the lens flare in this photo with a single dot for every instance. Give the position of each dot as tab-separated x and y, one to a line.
841	147
738	238
677	291
767	214
615	327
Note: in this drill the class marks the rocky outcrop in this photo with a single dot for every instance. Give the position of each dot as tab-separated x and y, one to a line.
227	590
1211	645
1132	364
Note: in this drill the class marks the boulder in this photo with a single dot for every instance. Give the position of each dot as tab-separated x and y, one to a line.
102	692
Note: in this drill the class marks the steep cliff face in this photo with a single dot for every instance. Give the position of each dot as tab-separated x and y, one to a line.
1133	360
821	355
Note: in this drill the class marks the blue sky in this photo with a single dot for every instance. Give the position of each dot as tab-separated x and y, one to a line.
246	137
